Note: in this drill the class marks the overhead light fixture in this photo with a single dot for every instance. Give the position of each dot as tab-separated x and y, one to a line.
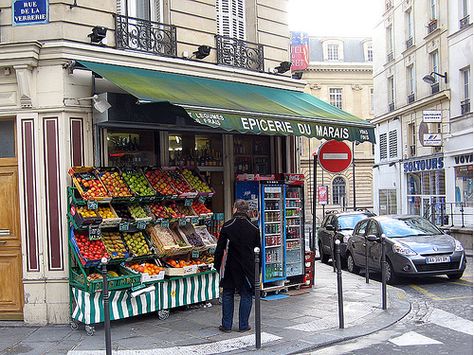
98	35
282	68
202	52
100	103
297	75
430	79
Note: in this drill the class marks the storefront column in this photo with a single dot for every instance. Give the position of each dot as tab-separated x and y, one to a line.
228	143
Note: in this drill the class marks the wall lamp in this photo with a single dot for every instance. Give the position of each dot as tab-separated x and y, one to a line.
100	103
297	75
202	52
98	35
430	79
282	68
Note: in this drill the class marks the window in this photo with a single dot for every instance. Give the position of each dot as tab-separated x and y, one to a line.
339	191
231	18
391	90
434	58
409	25
392	144
412	139
335	97
360	232
333	51
372	229
389	39
371	99
150	10
411	79
387	201
465	78
463	182
464	8
383	146
370	53
434	9
7	137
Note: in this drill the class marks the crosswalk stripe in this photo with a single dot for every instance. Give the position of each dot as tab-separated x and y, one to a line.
450	321
413	338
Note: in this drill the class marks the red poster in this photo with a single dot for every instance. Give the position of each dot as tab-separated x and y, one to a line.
323	195
299	51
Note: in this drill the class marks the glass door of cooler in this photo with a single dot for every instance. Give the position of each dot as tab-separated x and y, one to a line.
273	227
294	215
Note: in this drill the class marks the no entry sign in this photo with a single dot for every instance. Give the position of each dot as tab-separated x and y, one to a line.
334	156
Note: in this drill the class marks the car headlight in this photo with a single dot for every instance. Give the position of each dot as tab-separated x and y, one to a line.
403	250
458	246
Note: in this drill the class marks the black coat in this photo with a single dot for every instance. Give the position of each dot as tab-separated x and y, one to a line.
243	237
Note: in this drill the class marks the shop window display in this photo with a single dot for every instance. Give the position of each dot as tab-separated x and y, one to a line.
251	155
463	192
426	193
195	150
131	148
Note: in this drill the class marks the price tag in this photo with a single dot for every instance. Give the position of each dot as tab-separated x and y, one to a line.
202	199
212	250
94	232
165	223
92	205
141	225
194	220
194	254
188	202
182	222
124	226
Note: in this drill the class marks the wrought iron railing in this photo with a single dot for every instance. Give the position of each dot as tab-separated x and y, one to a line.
409	42
411	98
391	107
241	54
435	88
388	5
464	22
447	214
390	56
465	106
145	36
433	25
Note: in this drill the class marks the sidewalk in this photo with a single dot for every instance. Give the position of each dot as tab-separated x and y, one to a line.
298	323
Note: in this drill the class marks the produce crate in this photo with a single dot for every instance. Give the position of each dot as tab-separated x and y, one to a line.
84	261
194	174
161	182
163	240
126	280
186	270
110	222
178	181
118	241
146	219
130	174
147	241
80	220
206	237
82	174
125	194
188	233
145	277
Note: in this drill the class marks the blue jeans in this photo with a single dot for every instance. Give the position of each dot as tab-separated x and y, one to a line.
244	308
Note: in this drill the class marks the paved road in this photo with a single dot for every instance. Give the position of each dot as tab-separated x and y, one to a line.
440	321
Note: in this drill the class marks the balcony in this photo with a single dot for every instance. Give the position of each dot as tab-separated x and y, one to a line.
391	107
388	5
411	98
434	88
465	106
409	42
241	54
389	56
433	25
145	36
464	22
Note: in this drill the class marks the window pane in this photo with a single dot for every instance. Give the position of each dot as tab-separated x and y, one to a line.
7	139
335	97
463	188
338	191
333	52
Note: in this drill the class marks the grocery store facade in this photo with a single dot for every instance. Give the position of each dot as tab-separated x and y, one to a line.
49	123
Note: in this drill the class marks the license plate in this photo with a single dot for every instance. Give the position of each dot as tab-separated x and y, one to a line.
437	259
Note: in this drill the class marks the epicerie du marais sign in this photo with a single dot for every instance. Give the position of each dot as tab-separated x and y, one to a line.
30	12
283	127
431	116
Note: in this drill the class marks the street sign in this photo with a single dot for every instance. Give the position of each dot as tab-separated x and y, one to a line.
431	116
334	156
323	195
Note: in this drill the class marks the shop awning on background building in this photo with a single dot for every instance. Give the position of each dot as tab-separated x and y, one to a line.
241	107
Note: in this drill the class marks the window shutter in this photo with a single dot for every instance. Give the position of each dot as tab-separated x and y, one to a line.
230	16
120	7
157	10
392	142
383	146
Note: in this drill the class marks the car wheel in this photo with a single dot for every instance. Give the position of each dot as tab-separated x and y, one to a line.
455	276
324	257
390	275
351	266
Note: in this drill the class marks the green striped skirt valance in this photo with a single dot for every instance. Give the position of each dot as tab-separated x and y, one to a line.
166	294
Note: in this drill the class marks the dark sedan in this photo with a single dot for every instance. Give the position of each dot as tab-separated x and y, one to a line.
340	226
414	247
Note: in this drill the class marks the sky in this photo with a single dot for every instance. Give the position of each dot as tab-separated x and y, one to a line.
325	18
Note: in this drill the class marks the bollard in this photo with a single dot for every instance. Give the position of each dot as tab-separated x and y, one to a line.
339	284
367	275
333	256
105	295
258	335
384	274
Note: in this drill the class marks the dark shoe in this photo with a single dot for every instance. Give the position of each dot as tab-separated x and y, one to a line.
245	330
222	329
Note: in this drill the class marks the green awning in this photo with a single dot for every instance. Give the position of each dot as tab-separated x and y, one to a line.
234	106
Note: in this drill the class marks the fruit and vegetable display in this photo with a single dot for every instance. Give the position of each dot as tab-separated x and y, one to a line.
179	263
106	212
114	244
161	182
179	182
137	243
90	249
114	183
137	183
185	211
200	208
86	213
89	186
205	236
165	210
94	276
137	211
195	182
163	240
146	268
123	212
191	236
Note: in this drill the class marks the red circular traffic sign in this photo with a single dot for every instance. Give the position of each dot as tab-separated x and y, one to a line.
334	156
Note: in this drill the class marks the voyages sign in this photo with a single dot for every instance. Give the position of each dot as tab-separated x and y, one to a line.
283	127
30	12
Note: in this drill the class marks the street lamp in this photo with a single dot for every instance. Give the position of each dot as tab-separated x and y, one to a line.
430	79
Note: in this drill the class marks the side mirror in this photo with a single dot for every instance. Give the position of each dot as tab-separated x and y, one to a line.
373	238
330	227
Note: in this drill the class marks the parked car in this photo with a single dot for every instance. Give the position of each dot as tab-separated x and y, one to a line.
414	247
339	225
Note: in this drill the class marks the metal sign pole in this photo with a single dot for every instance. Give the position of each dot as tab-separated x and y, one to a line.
315	175
339	284
105	296
367	276
258	330
384	274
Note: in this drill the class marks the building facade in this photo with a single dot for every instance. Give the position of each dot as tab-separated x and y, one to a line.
340	72
47	120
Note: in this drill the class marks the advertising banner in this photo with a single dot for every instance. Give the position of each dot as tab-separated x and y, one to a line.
323	195
299	51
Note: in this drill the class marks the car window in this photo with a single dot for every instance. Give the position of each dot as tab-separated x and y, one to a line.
372	229
328	221
349	221
408	227
361	229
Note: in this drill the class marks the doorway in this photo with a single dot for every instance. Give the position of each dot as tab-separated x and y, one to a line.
11	290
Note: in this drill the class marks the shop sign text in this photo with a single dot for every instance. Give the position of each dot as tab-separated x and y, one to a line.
424	164
432	139
463	159
29	12
432	116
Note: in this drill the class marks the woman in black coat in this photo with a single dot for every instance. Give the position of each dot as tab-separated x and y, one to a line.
239	237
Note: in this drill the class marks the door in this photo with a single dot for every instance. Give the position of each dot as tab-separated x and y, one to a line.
358	243
11	289
375	250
